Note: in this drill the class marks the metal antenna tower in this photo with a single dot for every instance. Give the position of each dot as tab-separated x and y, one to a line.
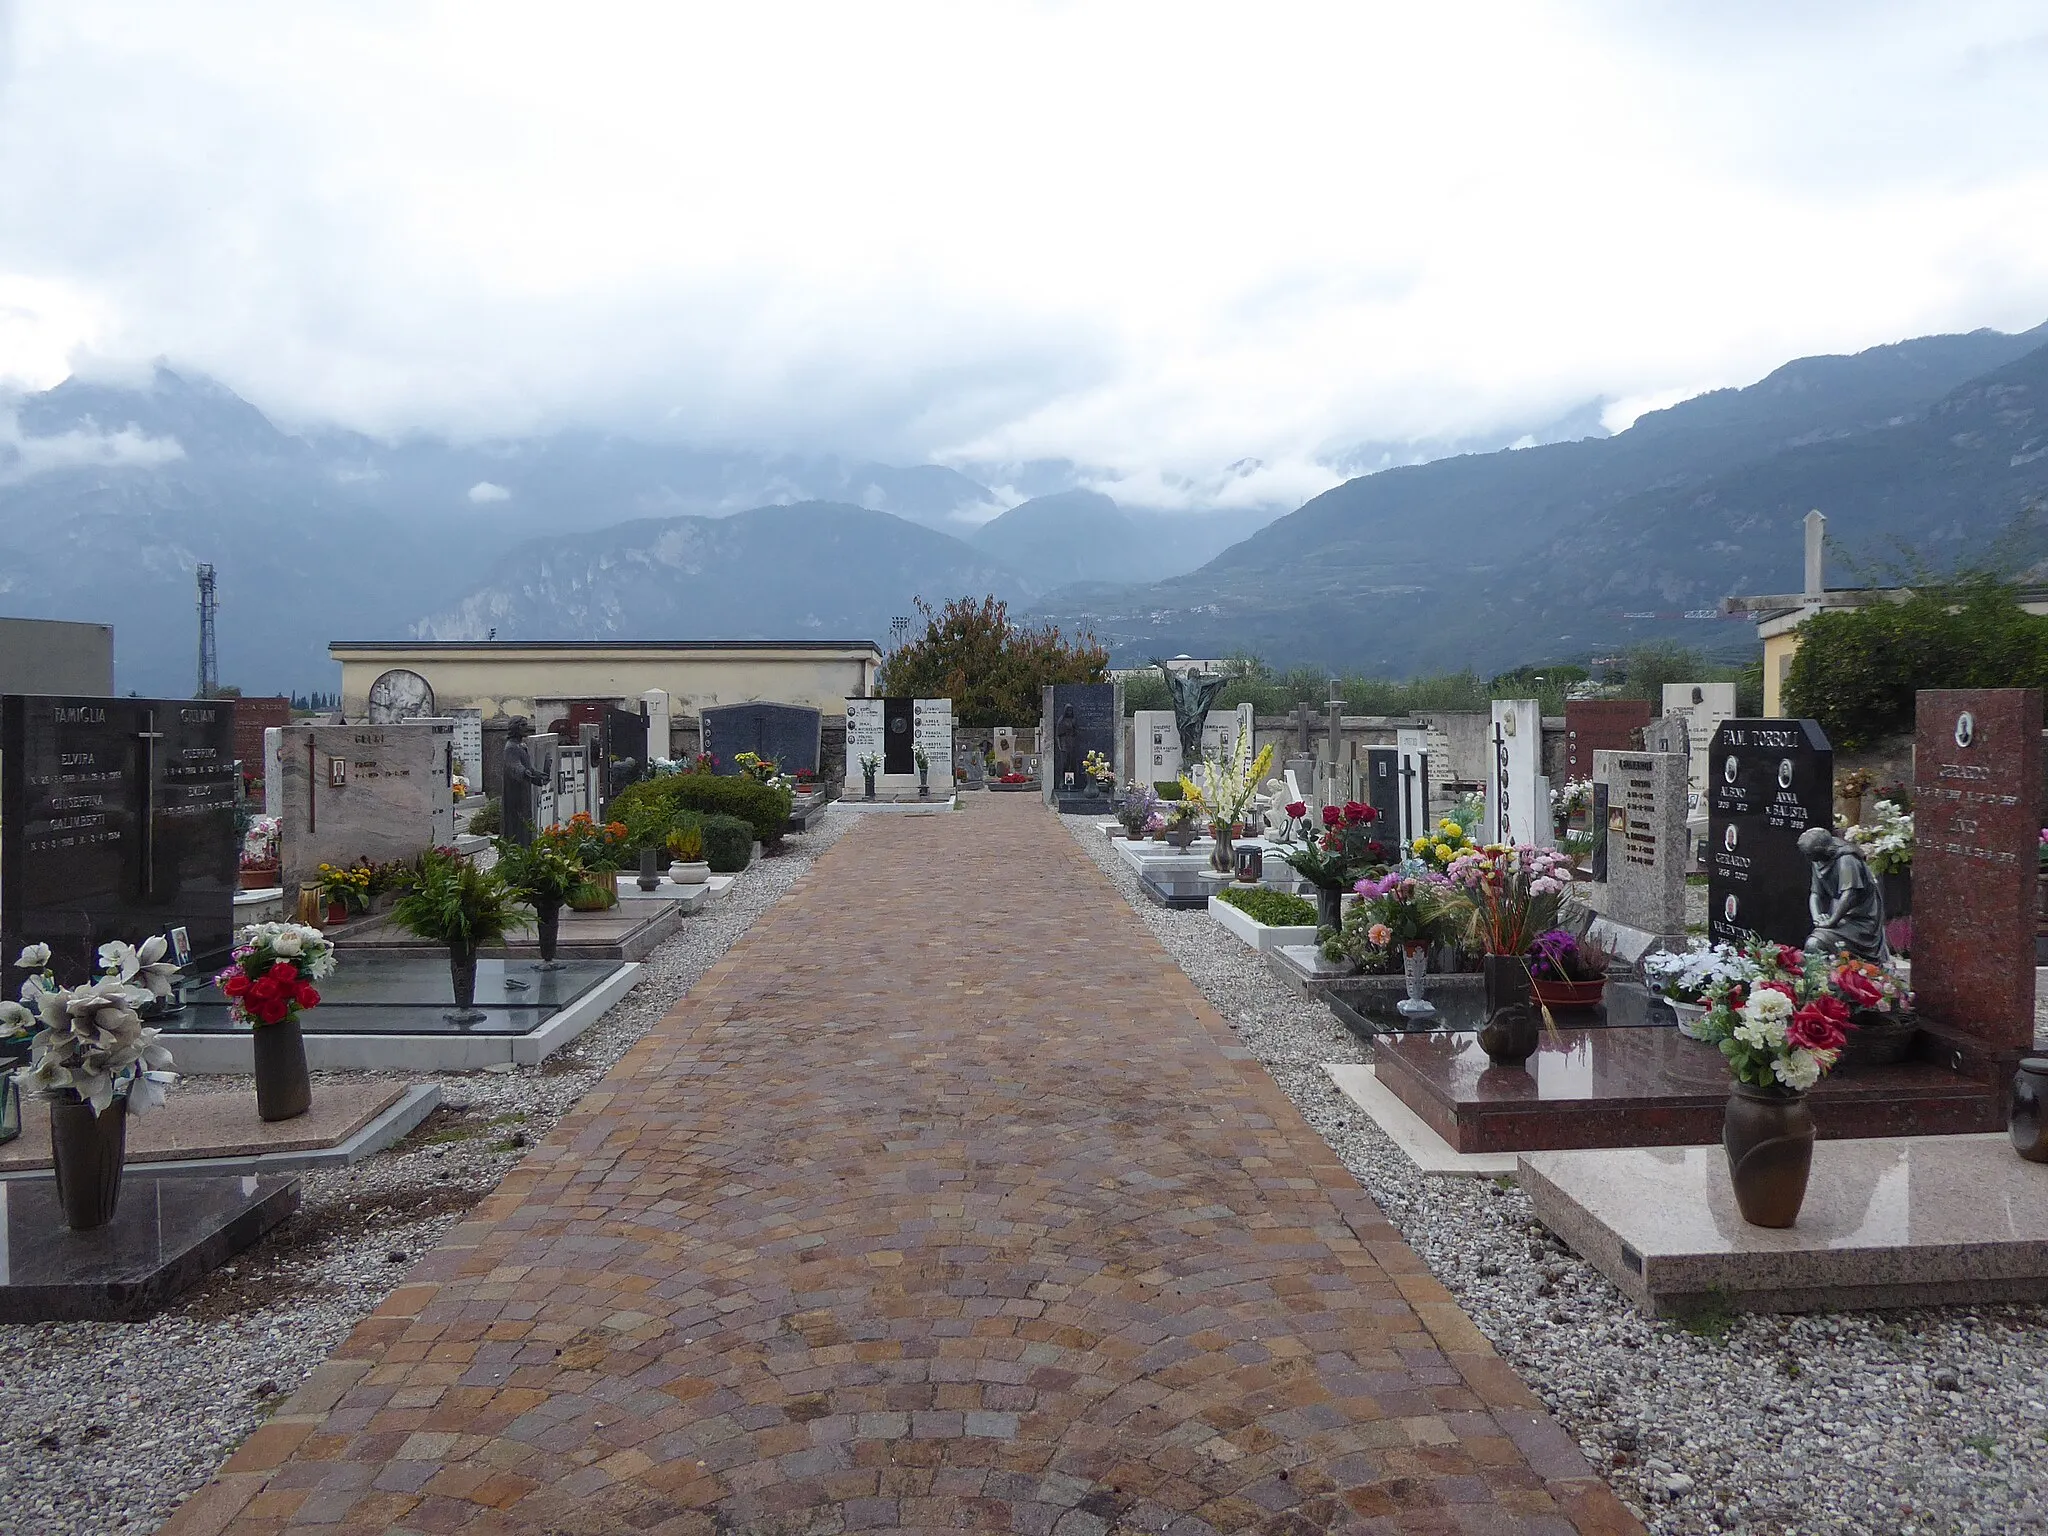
209	658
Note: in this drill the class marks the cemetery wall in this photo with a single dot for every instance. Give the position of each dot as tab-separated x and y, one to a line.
51	656
503	678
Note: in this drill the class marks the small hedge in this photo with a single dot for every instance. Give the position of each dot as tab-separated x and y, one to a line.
1275	909
728	844
763	807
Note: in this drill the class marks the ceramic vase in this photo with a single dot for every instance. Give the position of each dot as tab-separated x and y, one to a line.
284	1090
2029	1124
1689	1016
1509	1034
1768	1136
547	929
88	1152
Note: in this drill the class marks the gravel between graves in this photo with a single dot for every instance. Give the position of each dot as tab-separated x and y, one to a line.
104	1427
1911	1422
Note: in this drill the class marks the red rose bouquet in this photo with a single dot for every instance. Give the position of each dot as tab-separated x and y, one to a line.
275	967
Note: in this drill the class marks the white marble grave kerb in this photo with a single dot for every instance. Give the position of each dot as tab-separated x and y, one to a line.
1639	852
1516	810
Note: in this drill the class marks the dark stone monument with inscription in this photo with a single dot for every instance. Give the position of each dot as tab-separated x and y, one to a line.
117	821
1600	725
1767	782
789	733
1082	718
1977	805
1383	784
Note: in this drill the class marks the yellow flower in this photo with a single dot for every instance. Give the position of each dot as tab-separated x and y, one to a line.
1443	850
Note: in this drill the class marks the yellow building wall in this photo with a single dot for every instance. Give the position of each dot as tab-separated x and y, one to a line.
511	682
1778	653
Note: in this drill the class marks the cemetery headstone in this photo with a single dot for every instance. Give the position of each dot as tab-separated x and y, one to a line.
865	729
1600	725
117	821
1514	812
1222	729
1411	747
1977	818
931	722
1157	744
654	703
469	746
1770	781
273	781
1639	841
788	733
1670	733
1383	789
899	745
1705	706
377	792
1082	718
545	749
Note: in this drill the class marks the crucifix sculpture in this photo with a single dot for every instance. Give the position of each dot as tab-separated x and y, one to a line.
1192	693
149	736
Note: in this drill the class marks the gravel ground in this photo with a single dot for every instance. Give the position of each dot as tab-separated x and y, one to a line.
104	1427
1911	1422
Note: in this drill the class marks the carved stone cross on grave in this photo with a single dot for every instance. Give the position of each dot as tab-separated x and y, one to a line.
1304	725
1500	790
149	736
1411	822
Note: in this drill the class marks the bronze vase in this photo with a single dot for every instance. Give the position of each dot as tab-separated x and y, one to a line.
283	1088
1768	1136
2029	1124
1510	1032
1223	857
88	1152
462	974
1329	907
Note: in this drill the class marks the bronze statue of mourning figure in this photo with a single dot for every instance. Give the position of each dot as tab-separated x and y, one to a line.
1192	694
1845	900
521	777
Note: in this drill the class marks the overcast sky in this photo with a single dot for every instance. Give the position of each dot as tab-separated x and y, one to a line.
1159	239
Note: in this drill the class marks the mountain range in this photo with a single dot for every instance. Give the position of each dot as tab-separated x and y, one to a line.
110	494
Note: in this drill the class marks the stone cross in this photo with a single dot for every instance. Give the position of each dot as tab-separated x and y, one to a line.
1303	715
149	736
1336	708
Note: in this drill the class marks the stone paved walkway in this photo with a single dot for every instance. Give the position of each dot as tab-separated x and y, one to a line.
943	1203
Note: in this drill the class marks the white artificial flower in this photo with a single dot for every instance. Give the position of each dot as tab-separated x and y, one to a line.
34	957
1799	1070
286	945
15	1019
118	959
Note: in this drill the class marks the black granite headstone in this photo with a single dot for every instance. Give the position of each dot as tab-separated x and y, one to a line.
788	733
624	743
117	821
1767	782
1383	790
1094	729
899	741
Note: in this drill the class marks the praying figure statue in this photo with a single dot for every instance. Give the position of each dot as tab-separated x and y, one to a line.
1845	899
1193	693
516	814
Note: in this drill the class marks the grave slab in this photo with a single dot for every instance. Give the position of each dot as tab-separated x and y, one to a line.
1888	1222
198	1129
1369	1005
166	1235
1428	1151
629	931
1603	1087
1180	890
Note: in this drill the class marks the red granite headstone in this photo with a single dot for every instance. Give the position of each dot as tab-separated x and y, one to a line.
251	717
1600	725
1977	819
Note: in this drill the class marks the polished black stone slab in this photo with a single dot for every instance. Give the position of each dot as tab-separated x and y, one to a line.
1460	1003
381	994
788	733
167	1233
1182	890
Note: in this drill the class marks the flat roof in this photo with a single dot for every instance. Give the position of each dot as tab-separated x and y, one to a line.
603	645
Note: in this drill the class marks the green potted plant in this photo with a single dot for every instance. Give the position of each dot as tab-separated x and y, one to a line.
96	1063
686	854
545	877
453	902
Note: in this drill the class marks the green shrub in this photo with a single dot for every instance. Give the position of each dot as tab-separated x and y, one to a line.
728	844
1857	669
764	807
1276	909
489	820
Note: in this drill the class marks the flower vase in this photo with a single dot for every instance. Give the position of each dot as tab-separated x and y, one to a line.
547	929
1415	966
88	1152
337	913
924	782
284	1090
1329	907
2028	1126
1509	1034
868	784
1223	857
1689	1016
1768	1136
462	973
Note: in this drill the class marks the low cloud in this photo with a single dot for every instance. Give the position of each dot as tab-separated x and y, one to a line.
22	457
484	491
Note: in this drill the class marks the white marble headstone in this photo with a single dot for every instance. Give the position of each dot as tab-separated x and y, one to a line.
1515	812
1412	752
863	737
660	720
273	773
1705	706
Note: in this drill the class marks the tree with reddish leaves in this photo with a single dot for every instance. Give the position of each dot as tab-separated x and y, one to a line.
992	669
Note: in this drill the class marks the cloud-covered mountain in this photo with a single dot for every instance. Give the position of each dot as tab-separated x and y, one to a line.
1582	547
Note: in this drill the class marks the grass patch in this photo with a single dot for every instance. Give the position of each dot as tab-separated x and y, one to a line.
1713	1318
1275	909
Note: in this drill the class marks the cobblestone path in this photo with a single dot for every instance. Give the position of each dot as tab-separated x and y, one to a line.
943	1203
